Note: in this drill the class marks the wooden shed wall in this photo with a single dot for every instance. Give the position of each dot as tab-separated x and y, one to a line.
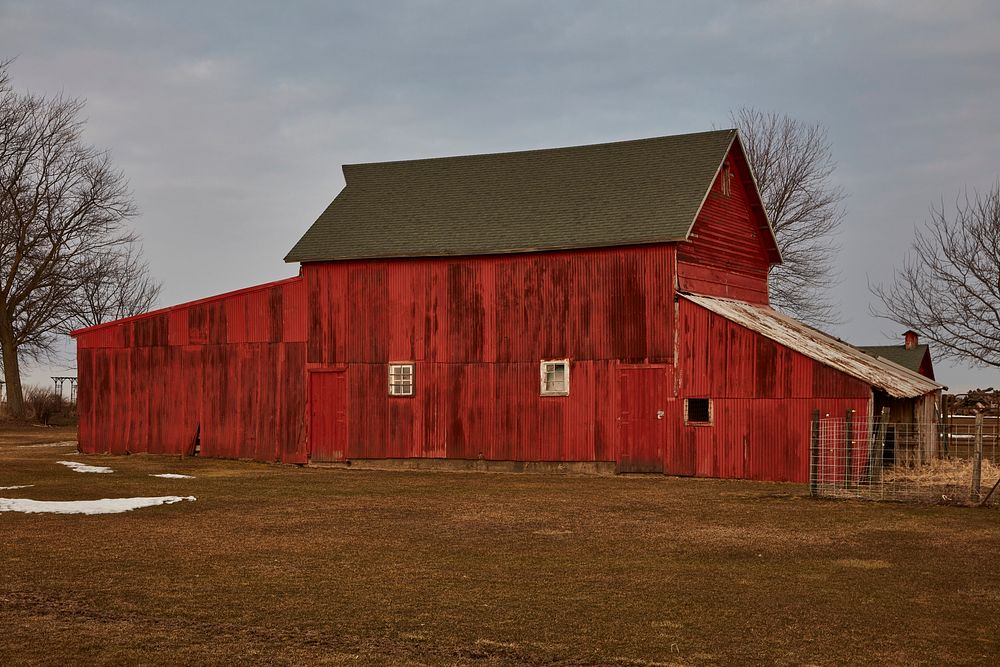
232	366
762	395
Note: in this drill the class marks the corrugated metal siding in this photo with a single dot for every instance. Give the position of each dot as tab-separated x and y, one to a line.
832	354
750	438
482	411
233	366
604	304
477	329
762	396
727	252
600	304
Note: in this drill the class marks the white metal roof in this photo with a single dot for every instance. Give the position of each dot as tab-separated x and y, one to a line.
881	373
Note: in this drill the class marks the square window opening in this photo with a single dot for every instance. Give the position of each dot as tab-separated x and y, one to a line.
697	411
555	378
401	379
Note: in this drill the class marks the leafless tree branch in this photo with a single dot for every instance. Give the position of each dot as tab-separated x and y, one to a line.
65	243
794	166
948	289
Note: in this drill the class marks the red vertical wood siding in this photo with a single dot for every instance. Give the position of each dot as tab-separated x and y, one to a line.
727	253
476	330
230	369
762	396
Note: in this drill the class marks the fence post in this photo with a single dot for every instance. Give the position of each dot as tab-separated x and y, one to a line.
942	452
875	451
849	441
919	427
993	439
813	453
977	457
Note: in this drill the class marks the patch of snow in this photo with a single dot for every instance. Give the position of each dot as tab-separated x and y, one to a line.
102	506
11	488
83	467
64	443
172	475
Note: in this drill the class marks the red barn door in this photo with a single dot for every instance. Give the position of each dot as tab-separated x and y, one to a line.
642	401
327	415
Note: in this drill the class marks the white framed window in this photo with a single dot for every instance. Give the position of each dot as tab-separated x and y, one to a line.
401	379
555	377
698	411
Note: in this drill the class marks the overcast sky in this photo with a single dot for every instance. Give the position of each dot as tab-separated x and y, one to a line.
232	119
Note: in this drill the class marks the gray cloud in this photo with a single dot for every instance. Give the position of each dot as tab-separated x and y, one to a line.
232	119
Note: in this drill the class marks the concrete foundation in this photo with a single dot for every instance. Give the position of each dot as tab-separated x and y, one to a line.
479	465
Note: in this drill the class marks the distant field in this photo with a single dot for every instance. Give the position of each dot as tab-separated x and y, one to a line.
284	565
27	434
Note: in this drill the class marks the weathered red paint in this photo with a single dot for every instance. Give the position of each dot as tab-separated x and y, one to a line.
298	370
228	371
762	395
476	330
926	367
727	254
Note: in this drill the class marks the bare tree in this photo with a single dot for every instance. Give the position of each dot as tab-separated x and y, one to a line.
794	164
949	287
115	284
64	208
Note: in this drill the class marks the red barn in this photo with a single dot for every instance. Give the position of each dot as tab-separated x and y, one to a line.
594	307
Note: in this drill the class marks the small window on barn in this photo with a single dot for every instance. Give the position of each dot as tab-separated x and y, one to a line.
725	177
401	379
697	411
555	378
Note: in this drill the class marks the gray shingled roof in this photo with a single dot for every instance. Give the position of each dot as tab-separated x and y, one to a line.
624	193
898	354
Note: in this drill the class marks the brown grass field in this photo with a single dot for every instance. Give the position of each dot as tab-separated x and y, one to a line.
285	565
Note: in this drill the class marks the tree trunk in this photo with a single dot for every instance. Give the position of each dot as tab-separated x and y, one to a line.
11	370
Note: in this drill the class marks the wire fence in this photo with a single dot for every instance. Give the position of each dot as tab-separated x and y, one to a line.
951	461
958	436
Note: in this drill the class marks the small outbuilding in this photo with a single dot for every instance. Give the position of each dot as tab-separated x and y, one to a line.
599	307
912	354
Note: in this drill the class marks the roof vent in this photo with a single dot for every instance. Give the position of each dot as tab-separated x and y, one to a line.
910	339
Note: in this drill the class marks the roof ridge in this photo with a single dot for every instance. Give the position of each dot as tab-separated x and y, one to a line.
530	151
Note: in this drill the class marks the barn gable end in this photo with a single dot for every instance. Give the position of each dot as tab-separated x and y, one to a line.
730	246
